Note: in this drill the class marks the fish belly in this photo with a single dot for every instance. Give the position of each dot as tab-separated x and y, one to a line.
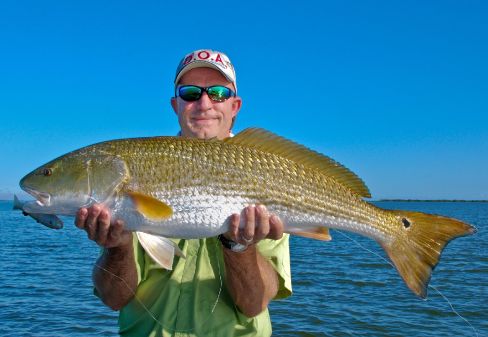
194	216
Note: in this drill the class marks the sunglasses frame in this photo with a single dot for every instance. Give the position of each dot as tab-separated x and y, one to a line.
202	89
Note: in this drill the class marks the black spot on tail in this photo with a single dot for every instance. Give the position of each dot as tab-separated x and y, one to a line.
406	223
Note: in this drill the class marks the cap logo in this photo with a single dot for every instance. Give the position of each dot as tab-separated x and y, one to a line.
204	55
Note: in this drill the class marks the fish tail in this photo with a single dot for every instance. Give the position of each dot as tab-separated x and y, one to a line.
416	251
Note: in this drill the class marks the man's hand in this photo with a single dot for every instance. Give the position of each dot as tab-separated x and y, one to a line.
258	224
251	279
97	223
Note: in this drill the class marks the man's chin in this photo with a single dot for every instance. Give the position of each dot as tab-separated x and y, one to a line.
201	133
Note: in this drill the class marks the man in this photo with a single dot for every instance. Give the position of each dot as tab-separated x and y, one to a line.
223	285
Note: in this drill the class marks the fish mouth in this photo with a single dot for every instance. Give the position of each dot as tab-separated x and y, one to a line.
42	198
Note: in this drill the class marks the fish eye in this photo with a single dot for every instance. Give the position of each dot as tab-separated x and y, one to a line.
47	172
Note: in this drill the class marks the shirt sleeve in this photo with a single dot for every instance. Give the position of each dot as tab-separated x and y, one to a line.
277	252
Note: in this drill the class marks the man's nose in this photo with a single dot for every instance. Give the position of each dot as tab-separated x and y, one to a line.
205	102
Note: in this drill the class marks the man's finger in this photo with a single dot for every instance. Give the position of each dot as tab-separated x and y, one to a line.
103	227
276	227
247	233
262	223
81	218
233	232
92	221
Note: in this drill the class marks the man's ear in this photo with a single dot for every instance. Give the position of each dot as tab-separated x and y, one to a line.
236	105
174	105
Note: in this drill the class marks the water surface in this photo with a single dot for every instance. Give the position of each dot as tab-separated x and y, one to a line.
340	288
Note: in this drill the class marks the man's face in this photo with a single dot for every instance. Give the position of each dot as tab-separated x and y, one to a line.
205	118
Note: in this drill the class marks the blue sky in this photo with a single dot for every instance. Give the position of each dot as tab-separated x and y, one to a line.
395	90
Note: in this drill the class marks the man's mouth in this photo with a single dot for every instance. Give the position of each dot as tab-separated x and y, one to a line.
203	120
203	117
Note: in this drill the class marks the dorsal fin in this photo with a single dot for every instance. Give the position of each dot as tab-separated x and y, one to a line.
269	142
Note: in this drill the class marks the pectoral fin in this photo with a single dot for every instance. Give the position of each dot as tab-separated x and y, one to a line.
318	233
151	207
160	249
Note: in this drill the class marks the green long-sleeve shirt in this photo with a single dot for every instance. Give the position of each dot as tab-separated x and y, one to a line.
192	299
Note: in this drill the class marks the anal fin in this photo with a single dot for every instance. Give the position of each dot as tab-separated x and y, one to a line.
317	233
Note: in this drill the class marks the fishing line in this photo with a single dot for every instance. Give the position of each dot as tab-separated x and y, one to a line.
453	310
149	311
430	286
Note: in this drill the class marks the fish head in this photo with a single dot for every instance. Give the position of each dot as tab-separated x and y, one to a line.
77	179
57	184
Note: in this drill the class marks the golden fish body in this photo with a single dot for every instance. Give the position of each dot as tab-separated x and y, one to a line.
187	188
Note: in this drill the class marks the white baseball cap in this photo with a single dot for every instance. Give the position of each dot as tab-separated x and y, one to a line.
207	58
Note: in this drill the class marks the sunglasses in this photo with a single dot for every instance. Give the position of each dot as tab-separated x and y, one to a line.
217	93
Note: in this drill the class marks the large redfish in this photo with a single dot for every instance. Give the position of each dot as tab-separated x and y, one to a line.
187	188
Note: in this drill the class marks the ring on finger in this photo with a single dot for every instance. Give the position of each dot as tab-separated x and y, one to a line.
246	240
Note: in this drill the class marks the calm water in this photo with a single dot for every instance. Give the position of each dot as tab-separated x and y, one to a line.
340	289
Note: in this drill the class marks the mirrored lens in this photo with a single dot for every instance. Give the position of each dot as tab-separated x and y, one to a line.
219	93
190	92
